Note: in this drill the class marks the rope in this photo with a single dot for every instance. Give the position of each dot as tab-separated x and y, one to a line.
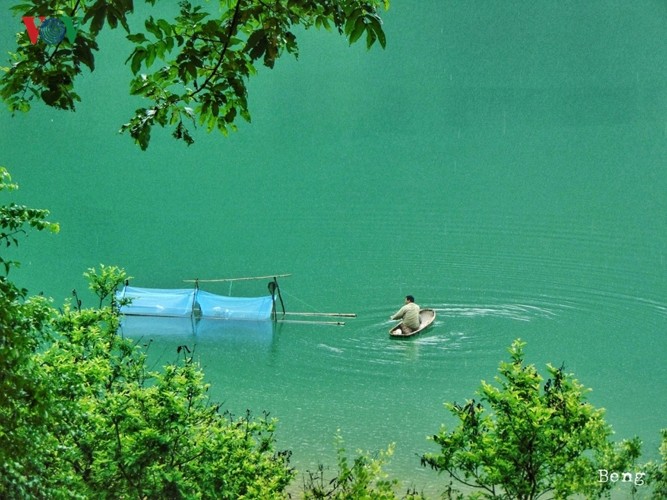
313	308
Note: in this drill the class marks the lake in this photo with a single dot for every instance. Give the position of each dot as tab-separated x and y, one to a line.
503	162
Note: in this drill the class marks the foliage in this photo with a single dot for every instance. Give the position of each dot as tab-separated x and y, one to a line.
204	59
24	393
14	219
81	416
363	479
105	281
124	431
534	439
657	473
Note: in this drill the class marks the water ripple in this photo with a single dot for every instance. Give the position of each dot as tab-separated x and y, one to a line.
518	312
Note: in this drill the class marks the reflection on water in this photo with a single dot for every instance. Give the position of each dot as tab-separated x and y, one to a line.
198	329
147	326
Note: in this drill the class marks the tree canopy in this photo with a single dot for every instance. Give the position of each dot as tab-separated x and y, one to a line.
526	438
191	70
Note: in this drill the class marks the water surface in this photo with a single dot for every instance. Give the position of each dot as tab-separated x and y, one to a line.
504	163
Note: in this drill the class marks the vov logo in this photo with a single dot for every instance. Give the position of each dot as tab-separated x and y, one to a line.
50	29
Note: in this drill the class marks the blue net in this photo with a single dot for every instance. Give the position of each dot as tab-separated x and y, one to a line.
246	308
181	302
157	301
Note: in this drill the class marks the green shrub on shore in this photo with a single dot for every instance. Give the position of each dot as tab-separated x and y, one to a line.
82	417
364	478
526	438
657	472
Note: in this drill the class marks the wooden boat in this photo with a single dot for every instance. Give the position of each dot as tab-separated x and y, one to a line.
426	319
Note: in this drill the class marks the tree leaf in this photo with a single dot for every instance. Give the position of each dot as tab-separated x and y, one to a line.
137	59
137	38
359	28
256	44
99	15
84	54
150	55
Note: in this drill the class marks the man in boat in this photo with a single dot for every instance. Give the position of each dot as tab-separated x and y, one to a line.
410	315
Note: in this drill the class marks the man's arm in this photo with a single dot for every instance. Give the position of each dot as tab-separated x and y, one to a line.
399	314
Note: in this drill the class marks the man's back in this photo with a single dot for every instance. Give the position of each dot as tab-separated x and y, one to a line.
410	314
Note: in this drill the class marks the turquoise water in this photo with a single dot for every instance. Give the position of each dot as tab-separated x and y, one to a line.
502	162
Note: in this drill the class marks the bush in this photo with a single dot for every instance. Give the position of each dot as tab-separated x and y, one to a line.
533	439
81	416
364	479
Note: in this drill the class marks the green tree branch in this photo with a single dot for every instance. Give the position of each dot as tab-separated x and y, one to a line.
218	51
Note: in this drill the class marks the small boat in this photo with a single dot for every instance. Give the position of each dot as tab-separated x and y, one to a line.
426	319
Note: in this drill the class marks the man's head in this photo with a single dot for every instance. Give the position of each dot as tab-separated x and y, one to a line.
409	298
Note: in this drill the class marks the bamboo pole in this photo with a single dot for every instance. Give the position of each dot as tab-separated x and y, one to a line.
220	280
334	323
339	315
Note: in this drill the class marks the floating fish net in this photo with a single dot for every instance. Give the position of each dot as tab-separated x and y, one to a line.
220	306
156	301
186	302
